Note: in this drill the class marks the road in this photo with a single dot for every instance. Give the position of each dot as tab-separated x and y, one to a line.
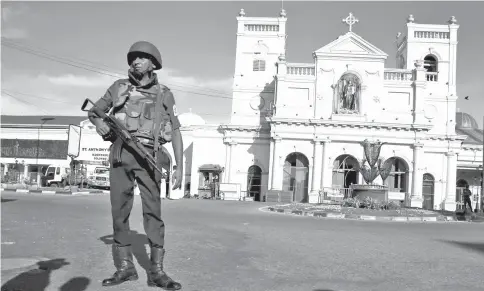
227	245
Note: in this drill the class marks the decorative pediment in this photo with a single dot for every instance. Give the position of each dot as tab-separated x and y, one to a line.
351	44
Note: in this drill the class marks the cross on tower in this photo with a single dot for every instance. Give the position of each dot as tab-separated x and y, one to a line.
350	20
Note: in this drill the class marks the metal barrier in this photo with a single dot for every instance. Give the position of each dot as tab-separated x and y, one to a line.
335	193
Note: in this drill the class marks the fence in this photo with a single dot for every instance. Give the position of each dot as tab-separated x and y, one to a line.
335	193
13	177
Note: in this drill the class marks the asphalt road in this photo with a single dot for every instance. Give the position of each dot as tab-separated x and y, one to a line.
225	245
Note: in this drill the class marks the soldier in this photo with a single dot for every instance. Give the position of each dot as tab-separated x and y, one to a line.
467	197
148	111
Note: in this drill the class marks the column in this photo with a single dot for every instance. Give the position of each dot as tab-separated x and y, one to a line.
228	159
453	27
276	183
326	176
232	144
317	169
416	198
449	203
228	153
26	173
419	85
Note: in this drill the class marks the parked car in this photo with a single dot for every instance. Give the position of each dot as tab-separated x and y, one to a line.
100	180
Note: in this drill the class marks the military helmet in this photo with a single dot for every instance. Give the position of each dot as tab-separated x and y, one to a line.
147	48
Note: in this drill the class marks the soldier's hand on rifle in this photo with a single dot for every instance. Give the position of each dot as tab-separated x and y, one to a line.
102	128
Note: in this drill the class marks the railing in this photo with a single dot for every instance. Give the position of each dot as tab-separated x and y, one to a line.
335	193
301	69
432	76
398	75
431	34
261	27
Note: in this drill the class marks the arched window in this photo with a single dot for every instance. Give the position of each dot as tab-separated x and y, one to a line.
344	171
431	65
461	183
254	182
397	179
296	176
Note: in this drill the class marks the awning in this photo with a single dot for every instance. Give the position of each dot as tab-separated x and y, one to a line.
210	168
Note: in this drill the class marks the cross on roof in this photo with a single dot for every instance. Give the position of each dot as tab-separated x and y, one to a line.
350	20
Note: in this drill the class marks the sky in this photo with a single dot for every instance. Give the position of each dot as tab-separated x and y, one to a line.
52	52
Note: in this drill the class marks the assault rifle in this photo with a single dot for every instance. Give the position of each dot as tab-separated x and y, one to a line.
119	130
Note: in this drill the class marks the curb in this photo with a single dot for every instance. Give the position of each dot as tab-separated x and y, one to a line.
60	192
361	217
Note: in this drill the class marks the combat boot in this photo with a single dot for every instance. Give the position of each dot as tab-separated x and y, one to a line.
125	267
157	277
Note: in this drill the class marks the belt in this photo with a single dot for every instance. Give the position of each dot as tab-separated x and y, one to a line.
118	146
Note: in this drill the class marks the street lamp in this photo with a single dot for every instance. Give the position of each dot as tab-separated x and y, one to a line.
43	120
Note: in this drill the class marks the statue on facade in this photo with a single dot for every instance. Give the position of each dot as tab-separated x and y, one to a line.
348	94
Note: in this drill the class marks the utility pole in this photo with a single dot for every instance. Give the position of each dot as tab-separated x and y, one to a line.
43	120
482	169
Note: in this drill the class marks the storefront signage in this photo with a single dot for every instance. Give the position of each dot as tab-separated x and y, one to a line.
93	148
95	154
27	149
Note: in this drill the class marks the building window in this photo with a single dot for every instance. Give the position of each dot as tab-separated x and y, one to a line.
430	64
258	65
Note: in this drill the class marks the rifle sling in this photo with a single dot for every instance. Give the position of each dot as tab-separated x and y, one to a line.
158	108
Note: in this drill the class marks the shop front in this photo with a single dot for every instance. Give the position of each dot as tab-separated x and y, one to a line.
23	160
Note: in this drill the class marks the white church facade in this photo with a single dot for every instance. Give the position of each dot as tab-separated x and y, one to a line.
296	129
303	124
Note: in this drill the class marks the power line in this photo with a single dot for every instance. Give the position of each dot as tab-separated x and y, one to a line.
107	73
82	65
11	92
35	96
22	101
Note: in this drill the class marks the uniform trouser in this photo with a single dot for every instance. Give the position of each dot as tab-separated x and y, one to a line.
122	176
467	201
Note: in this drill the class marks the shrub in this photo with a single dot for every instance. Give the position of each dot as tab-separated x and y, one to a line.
370	203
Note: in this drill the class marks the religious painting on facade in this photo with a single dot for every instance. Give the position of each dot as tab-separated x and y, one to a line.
347	94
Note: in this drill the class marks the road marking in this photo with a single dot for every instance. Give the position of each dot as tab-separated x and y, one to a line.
8	243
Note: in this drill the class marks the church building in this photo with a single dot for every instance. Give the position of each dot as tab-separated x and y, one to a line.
301	125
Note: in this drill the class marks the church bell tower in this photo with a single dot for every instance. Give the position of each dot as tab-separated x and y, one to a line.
435	45
260	41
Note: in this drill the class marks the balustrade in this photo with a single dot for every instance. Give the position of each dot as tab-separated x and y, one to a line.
398	75
431	34
261	27
302	70
432	77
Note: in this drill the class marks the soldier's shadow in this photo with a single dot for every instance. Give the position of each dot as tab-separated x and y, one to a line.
138	243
